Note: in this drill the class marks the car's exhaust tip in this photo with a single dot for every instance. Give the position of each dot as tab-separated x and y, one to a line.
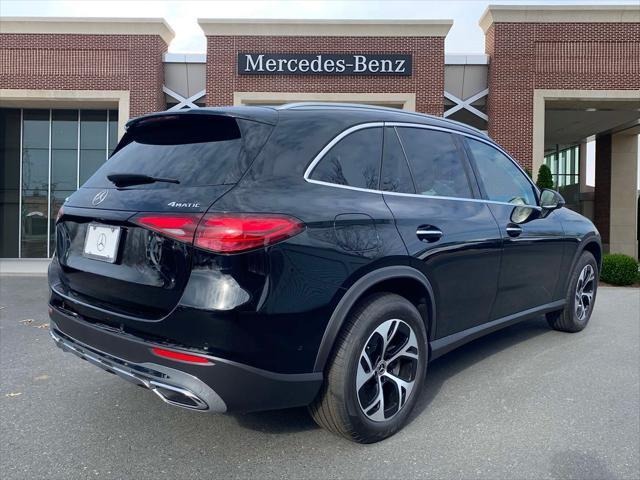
179	397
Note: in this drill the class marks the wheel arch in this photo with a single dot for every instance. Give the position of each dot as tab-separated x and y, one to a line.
402	280
592	245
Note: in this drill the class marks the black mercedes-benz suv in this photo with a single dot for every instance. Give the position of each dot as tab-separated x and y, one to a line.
253	258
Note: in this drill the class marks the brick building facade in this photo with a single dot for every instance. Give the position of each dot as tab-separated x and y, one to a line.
86	62
426	81
552	53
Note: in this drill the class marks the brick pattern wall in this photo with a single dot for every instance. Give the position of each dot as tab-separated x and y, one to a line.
427	80
86	62
602	193
527	56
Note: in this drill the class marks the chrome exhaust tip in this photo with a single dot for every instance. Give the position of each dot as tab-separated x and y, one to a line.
179	397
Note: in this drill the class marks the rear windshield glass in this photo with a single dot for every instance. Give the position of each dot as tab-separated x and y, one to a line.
193	149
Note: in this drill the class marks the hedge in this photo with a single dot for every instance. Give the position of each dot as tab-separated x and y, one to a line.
619	269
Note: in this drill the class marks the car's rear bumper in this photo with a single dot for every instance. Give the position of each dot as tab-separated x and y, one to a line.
218	386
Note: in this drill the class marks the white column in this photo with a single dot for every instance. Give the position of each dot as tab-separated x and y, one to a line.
624	194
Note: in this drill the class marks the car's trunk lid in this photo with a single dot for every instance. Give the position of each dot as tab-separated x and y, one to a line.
147	272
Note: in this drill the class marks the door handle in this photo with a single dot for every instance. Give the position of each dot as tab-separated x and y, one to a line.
514	230
428	233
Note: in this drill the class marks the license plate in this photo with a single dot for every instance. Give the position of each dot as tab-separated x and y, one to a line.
101	242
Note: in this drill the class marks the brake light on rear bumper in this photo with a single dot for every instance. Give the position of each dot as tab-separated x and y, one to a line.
223	232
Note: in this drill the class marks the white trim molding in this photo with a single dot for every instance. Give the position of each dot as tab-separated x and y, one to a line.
325	28
407	101
558	14
466	104
183	101
88	26
541	96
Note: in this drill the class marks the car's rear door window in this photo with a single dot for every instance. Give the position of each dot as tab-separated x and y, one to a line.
395	176
354	161
437	164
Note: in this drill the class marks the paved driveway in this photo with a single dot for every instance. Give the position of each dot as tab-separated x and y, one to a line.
526	402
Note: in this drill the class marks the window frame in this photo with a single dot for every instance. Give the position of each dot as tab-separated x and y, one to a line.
483	190
460	136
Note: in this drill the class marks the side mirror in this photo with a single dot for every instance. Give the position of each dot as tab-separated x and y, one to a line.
551	200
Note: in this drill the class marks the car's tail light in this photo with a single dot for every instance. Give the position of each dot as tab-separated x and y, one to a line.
60	214
183	357
233	233
223	232
181	226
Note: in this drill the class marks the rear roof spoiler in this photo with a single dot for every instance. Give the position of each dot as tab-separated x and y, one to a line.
257	114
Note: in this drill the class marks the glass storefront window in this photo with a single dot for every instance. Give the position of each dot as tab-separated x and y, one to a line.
10	125
564	165
93	142
34	213
64	162
45	155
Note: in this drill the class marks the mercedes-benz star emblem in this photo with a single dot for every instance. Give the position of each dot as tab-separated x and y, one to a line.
99	198
102	242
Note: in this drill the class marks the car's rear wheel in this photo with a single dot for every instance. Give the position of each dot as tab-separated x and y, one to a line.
581	297
376	371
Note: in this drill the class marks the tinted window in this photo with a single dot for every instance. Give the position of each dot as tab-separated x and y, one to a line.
502	180
353	161
196	150
395	171
436	163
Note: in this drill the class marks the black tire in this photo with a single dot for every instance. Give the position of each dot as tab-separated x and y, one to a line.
337	406
569	319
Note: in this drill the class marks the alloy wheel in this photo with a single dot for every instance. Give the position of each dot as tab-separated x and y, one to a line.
585	288
387	370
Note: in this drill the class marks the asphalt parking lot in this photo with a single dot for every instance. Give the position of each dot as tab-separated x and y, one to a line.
526	402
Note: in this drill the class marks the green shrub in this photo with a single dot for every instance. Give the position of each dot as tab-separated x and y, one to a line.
619	269
545	178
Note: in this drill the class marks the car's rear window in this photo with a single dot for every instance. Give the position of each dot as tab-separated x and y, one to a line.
193	149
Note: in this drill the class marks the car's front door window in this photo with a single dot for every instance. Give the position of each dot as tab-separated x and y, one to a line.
502	180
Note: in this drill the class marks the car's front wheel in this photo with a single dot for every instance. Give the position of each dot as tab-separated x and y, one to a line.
376	371
581	297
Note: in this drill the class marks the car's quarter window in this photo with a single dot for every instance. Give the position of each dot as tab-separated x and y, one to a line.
353	161
436	163
502	180
396	176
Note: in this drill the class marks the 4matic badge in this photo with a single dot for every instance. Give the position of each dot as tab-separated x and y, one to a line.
183	205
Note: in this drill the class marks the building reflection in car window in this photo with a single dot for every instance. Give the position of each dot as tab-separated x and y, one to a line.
502	180
436	163
396	176
354	161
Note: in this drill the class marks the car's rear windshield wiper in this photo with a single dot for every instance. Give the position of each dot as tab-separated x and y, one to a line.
127	179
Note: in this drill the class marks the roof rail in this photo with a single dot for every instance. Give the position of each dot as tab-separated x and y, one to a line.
290	106
364	106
